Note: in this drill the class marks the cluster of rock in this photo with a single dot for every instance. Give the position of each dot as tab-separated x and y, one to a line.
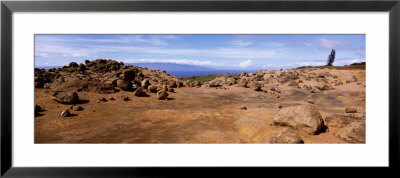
307	119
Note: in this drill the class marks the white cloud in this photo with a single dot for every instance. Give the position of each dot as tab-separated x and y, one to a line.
176	61
246	64
241	43
324	43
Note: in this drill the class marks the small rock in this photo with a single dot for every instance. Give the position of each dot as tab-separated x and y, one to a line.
101	99
243	107
310	101
162	95
139	92
350	110
337	120
215	83
152	88
111	98
125	98
351	79
76	108
65	113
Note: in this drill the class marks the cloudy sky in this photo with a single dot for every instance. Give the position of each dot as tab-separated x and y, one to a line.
216	51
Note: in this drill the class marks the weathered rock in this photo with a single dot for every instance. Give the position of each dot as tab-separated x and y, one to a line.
351	79
350	110
293	84
152	88
125	98
215	83
326	87
303	117
73	64
162	95
124	85
65	97
172	84
337	120
65	113
286	135
255	86
243	82
145	84
128	75
352	133
76	108
139	92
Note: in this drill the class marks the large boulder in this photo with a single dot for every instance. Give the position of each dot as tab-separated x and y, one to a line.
65	97
124	85
303	117
352	133
215	83
286	135
128	75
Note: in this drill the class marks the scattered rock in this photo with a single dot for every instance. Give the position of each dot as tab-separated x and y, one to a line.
351	79
303	117
286	135
215	83
152	88
125	98
350	110
65	97
65	113
102	99
76	108
124	85
243	107
145	83
111	98
162	95
352	133
337	120
139	92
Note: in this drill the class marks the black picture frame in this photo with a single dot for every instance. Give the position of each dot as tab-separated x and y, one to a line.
8	7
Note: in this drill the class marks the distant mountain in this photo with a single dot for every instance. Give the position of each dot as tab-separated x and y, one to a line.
172	66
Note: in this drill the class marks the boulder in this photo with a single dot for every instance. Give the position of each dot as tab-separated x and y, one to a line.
303	117
152	88
352	133
215	83
139	92
350	110
128	75
337	120
243	82
145	83
172	84
73	64
293	84
162	95
124	85
287	136
65	97
351	79
255	86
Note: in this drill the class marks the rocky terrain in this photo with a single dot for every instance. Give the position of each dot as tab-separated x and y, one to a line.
105	101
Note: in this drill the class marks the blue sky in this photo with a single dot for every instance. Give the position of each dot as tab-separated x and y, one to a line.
215	51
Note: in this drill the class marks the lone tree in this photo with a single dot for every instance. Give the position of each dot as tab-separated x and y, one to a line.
331	58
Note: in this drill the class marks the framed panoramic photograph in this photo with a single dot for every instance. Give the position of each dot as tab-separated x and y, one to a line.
113	88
